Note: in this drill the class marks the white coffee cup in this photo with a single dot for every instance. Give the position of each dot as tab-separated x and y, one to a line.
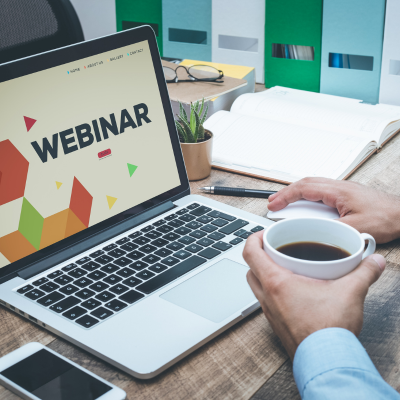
317	230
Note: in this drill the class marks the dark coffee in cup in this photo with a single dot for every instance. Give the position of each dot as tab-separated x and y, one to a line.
313	251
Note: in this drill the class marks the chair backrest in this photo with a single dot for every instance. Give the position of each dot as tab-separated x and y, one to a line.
29	27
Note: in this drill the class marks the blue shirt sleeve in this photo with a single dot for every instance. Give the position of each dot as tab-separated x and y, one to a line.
332	364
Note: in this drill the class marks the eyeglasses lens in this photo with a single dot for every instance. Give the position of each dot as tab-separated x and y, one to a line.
169	73
204	72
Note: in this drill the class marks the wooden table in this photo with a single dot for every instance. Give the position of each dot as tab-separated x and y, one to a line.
248	361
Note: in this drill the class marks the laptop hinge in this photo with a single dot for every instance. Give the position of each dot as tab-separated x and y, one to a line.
93	241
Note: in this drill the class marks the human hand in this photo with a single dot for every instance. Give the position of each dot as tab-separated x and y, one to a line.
366	209
297	306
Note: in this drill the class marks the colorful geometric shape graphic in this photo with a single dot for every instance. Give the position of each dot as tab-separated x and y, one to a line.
58	184
74	224
29	122
81	202
131	168
15	246
111	201
31	224
13	171
54	228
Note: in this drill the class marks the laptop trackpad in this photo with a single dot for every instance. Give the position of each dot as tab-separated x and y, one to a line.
215	293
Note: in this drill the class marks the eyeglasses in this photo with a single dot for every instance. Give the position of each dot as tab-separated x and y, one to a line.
195	73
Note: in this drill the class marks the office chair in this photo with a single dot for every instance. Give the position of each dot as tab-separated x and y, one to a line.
29	27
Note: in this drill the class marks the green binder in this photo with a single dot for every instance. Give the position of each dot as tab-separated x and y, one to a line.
298	23
134	13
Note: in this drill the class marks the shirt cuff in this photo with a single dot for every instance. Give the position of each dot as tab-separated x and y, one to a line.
326	350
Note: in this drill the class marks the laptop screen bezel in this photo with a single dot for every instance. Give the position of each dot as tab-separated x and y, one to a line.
64	55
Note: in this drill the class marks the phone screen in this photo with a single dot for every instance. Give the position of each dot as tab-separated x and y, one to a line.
51	378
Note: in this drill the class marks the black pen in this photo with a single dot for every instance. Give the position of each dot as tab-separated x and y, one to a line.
238	192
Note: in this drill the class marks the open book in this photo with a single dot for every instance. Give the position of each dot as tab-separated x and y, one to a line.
285	134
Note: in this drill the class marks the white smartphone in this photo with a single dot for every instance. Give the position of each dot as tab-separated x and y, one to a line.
36	372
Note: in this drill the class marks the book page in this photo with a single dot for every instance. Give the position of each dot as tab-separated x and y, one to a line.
315	110
265	147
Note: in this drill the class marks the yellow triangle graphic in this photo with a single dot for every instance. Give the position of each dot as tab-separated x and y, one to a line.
58	184
111	201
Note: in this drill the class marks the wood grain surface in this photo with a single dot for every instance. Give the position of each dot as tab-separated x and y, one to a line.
248	361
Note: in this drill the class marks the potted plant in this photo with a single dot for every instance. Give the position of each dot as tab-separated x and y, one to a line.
196	142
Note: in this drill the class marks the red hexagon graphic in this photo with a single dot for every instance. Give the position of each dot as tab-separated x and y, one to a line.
13	172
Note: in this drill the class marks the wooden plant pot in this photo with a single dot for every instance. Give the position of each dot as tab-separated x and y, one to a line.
198	157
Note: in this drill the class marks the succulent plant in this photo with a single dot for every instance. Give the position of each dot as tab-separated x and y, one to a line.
191	130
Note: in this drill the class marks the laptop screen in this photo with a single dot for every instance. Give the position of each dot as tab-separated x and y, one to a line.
80	143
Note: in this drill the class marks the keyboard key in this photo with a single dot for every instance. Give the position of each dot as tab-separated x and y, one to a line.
83	282
91	304
175	246
219	214
105	296
87	321
200	211
187	217
40	281
104	259
240	232
159	223
198	234
131	296
63	280
65	304
99	286
157	268
145	274
216	236
91	266
125	272
69	289
83	260
233	226
134	235
115	305
205	219
170	217
182	254
97	253
49	287
257	228
163	252
54	274
153	235
138	265
165	229
129	246
50	299
182	211
122	262
194	225
96	275
110	268
176	223
194	248
102	313
208	228
246	235
141	241
222	246
110	247
112	279
118	289
25	289
77	273
171	236
147	249
236	241
168	276
205	242
122	241
183	230
170	261
135	255
116	253
186	240
132	281
84	294
151	259
68	267
159	242
147	228
192	206
209	253
220	222
74	313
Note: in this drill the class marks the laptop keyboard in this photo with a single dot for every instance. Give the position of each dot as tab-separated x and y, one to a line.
96	287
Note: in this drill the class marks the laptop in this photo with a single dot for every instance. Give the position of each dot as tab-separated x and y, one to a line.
101	241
